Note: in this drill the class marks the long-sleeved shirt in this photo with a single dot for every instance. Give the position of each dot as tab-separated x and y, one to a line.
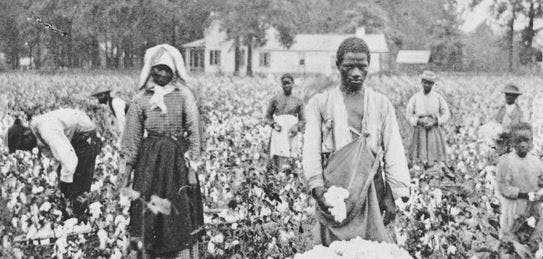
182	117
508	117
379	122
431	104
515	175
118	106
54	131
281	105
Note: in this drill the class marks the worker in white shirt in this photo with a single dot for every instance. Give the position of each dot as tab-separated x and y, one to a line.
508	115
118	106
69	136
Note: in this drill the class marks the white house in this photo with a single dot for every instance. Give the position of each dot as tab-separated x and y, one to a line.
310	53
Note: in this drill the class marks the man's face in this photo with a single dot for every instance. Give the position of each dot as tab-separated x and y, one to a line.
427	86
161	77
103	97
287	86
522	142
354	69
510	98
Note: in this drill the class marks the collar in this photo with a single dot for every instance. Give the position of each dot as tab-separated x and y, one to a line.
151	90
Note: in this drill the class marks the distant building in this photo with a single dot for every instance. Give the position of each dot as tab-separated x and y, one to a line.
310	53
413	60
26	62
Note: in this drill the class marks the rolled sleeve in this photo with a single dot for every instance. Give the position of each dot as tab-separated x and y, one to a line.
311	154
119	108
132	133
192	120
444	112
396	171
301	116
61	149
270	111
410	112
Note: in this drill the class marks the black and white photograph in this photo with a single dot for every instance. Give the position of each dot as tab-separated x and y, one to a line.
296	129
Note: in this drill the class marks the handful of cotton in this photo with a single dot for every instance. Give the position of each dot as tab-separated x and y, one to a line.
335	196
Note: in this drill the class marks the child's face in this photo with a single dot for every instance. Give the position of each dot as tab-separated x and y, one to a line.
522	142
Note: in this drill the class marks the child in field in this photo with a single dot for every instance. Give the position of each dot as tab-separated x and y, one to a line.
518	182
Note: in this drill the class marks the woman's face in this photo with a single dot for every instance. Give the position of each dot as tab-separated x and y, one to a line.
161	76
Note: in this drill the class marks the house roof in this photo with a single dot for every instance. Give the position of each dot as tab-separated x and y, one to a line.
311	42
201	43
413	57
329	42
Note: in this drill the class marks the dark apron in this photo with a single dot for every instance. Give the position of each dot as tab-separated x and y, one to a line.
382	188
355	168
161	170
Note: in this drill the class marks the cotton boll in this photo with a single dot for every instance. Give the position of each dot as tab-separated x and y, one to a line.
531	222
46	206
451	250
211	248
95	209
102	236
455	211
335	196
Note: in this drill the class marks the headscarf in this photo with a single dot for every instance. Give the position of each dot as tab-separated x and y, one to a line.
162	54
167	55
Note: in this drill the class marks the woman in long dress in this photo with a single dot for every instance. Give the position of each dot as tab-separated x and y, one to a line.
427	111
167	111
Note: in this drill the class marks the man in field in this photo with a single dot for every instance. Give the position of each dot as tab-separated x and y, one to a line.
508	115
286	117
351	137
69	136
118	106
427	111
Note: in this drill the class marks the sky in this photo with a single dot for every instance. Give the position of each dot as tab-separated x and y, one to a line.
474	18
482	14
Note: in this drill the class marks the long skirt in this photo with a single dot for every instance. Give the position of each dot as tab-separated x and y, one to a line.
428	145
161	170
87	146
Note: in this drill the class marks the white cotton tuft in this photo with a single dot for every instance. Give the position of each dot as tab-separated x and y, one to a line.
335	196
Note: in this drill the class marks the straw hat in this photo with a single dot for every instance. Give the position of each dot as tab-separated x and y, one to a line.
162	54
429	75
101	89
511	89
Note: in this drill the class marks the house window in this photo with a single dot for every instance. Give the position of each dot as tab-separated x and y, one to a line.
302	62
264	59
214	57
196	61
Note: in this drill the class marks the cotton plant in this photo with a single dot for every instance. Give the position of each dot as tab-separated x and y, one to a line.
454	226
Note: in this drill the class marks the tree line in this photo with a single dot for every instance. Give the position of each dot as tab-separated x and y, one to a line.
74	33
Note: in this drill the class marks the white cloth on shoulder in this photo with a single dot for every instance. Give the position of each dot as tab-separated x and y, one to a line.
158	97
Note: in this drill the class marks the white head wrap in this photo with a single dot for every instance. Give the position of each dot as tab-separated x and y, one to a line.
167	55
162	54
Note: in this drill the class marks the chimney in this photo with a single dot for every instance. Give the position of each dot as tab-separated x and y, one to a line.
360	32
